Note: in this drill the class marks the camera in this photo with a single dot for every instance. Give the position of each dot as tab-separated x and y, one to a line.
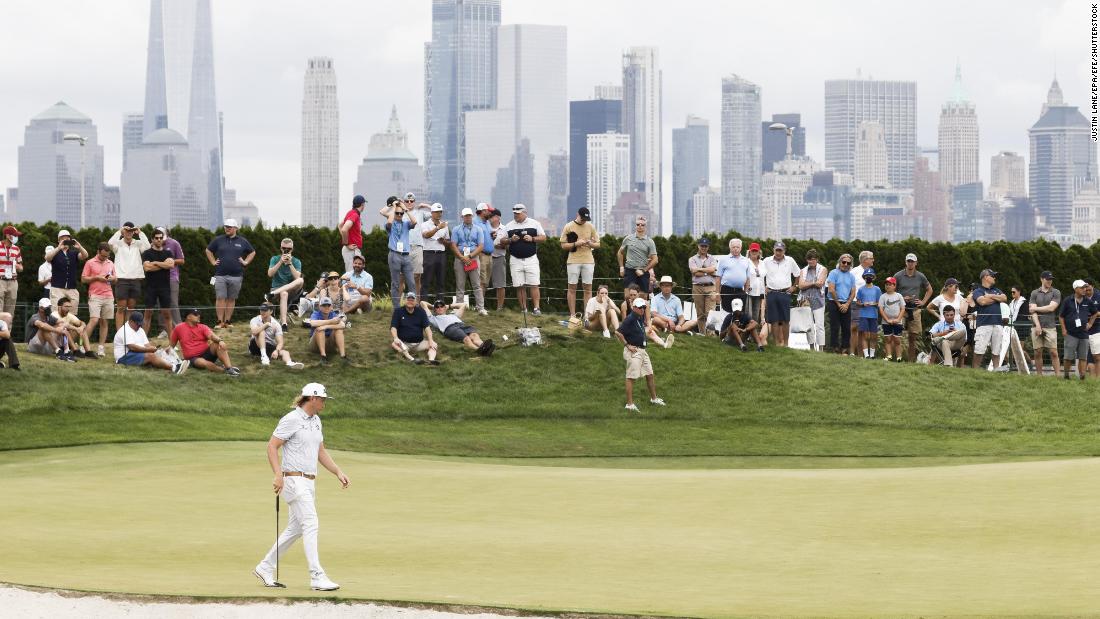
68	242
287	250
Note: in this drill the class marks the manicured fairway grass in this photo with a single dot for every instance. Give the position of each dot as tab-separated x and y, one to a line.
1008	539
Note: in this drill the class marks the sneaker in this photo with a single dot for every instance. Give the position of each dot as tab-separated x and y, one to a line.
323	584
482	312
607	334
285	327
266	577
418	362
744	348
294	365
324	360
163	335
759	349
61	356
99	351
344	359
670	340
889	358
433	362
181	367
90	355
632	408
220	325
536	312
234	372
492	348
265	361
657	402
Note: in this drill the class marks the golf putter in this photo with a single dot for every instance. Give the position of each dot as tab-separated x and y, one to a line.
277	583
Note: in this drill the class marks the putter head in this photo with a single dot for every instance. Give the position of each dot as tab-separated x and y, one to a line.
278	585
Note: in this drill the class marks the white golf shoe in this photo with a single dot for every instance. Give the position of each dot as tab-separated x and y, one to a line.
268	578
323	584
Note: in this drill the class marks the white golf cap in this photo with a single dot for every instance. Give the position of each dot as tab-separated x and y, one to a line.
1078	283
161	229
481	206
466	211
519	207
43	302
64	233
639	302
737	304
410	196
315	390
437	208
666	279
231	223
49	248
910	256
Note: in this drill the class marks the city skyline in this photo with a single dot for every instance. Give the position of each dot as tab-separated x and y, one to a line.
260	73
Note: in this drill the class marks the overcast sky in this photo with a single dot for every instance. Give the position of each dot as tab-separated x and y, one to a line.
92	55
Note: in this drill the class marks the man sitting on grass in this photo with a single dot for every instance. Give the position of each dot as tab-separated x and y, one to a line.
451	326
45	336
739	327
411	332
77	330
200	346
326	330
265	329
7	346
132	347
358	288
668	311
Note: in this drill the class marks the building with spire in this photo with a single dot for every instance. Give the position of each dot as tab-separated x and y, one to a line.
1062	161
389	169
50	170
958	138
320	146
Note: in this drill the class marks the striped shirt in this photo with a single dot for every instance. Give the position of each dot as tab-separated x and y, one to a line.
9	257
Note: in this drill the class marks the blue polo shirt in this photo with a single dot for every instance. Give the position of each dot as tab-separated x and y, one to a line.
669	308
633	330
734	272
319	315
1095	308
988	315
486	235
870	294
468	238
399	233
844	282
363	280
410	327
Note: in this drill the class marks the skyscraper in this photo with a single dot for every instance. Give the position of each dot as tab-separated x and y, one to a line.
179	91
598	115
1063	160
460	75
1007	176
741	146
930	200
871	159
958	138
780	191
165	182
320	145
389	169
893	104
133	131
775	142
608	174
690	169
642	122
49	170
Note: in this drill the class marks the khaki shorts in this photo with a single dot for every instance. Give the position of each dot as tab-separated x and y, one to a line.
637	364
417	254
913	324
1048	340
57	293
101	307
485	268
39	346
1094	344
988	338
420	346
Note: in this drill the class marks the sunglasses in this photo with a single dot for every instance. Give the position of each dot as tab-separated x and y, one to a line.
845	262
409	201
158	238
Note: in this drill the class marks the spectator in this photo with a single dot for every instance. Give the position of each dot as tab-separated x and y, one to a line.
326	330
76	330
437	238
890	306
229	253
1076	316
522	236
949	295
637	256
668	311
483	215
411	331
45	336
98	274
1043	305
285	271
419	214
467	243
716	319
867	298
271	332
158	263
1013	313
734	273
65	268
1094	330
329	285
127	244
45	274
915	288
178	260
842	285
7	344
11	265
1017	305
704	271
449	323
780	273
600	311
500	267
739	327
811	293
351	233
987	337
401	267
866	261
579	238
358	288
633	292
632	334
201	346
755	289
949	336
132	347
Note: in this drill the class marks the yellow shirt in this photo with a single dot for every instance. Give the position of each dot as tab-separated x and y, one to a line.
583	254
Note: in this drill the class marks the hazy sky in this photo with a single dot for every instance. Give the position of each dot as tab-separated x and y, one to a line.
92	55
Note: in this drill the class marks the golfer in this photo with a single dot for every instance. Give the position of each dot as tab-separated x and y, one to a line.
299	434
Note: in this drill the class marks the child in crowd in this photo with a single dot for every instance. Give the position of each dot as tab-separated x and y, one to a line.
867	298
890	311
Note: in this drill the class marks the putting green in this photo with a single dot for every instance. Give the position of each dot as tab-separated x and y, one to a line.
1019	538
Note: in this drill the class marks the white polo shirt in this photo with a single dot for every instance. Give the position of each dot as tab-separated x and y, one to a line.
435	242
779	275
303	437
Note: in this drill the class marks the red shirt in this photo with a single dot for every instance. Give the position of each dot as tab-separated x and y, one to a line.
355	234
193	340
9	256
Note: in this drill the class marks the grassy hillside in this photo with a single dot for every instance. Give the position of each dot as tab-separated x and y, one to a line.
565	400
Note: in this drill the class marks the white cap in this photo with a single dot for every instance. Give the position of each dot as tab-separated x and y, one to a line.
737	304
64	233
639	302
315	390
910	256
324	301
49	248
437	208
231	223
481	206
161	229
666	279
519	207
466	211
43	302
410	196
1078	283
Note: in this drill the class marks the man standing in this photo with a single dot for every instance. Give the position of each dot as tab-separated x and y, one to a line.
11	265
915	288
780	273
411	331
811	292
632	335
199	345
285	271
419	214
467	244
1076	316
178	260
99	274
132	347
500	261
842	285
65	267
267	339
351	233
158	262
482	218
949	335
400	261
734	271
299	435
1094	328
987	336
522	236
436	237
703	269
866	261
45	274
1043	305
229	254
579	238
637	255
127	245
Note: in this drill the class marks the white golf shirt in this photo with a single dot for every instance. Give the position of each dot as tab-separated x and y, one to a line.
126	336
303	437
128	263
779	275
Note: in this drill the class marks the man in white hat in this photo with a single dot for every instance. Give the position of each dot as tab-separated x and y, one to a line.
65	266
299	435
1076	316
522	236
229	254
437	238
632	334
668	310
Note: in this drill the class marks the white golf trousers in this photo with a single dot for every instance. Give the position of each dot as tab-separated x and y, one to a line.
298	495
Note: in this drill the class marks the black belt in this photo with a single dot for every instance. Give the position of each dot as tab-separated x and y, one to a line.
8	279
735	289
435	251
403	253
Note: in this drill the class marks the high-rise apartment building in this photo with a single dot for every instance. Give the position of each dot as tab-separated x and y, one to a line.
781	190
774	143
1062	160
389	169
930	200
320	145
741	146
690	169
706	211
958	138
892	104
165	182
608	174
642	122
871	156
598	115
133	131
1007	176
50	177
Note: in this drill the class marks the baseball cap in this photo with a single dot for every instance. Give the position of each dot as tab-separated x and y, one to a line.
325	301
440	303
137	317
357	200
1046	275
481	206
585	214
910	256
161	229
315	390
639	303
437	208
333	274
868	273
50	248
951	281
754	246
892	280
989	272
194	311
703	241
467	211
231	223
410	196
265	307
62	233
737	305
410	295
1078	283
494	212
779	245
128	225
43	302
518	207
12	231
